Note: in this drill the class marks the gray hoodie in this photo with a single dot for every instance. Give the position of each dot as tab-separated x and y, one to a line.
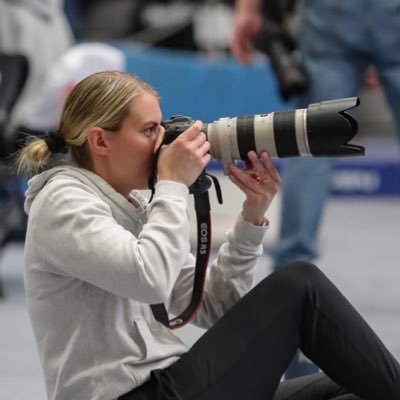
95	261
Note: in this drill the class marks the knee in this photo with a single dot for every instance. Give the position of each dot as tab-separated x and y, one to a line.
300	276
302	271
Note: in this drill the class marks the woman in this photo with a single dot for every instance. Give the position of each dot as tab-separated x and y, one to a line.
97	257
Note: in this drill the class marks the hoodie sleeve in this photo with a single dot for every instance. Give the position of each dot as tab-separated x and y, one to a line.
229	277
73	232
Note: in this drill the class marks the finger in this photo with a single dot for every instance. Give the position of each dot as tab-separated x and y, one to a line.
204	147
206	159
244	188
257	165
270	166
202	154
245	179
264	167
192	132
240	49
249	189
261	185
243	52
199	140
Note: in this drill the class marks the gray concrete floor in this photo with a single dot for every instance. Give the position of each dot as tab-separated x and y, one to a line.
359	244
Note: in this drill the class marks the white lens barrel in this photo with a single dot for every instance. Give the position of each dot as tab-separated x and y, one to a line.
222	137
281	134
301	132
264	134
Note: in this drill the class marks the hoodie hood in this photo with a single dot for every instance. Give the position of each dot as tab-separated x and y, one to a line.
38	183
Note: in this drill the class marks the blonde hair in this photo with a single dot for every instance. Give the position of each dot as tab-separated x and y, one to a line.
100	100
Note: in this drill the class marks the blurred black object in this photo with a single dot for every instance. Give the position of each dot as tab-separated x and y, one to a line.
170	31
277	42
280	48
109	20
278	11
14	69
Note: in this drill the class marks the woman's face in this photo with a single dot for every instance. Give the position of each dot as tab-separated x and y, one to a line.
131	149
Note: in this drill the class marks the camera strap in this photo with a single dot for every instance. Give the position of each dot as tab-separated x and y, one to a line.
203	216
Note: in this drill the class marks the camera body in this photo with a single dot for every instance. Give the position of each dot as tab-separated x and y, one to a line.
175	126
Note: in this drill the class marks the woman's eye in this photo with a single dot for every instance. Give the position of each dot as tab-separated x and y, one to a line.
151	131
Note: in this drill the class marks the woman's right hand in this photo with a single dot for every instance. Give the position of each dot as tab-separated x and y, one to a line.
185	158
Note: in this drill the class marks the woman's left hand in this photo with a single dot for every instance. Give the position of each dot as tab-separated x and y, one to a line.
260	187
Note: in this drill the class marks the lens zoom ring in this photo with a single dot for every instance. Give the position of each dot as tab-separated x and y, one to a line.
245	135
285	134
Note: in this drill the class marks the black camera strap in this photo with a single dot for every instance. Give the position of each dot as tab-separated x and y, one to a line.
202	207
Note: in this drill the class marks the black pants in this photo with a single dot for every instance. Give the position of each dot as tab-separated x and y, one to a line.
243	356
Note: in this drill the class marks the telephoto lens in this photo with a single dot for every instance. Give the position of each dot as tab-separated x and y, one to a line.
321	130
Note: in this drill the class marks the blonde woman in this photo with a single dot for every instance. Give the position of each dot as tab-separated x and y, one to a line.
98	255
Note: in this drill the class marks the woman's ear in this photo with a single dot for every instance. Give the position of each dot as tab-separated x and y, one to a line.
97	141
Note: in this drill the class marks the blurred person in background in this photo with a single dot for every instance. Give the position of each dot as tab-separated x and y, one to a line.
338	42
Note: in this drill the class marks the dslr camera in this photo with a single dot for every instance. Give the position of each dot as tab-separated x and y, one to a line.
322	129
